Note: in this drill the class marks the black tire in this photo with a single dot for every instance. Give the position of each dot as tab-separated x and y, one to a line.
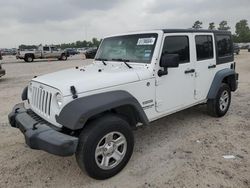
92	136
214	107
64	57
29	58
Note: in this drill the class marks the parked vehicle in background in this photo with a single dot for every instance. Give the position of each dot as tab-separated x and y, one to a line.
2	71
42	52
244	46
71	51
82	50
248	48
8	51
90	53
236	49
136	78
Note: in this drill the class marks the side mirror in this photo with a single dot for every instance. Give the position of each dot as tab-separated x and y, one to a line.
168	61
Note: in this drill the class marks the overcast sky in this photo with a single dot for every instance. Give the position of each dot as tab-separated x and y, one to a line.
58	21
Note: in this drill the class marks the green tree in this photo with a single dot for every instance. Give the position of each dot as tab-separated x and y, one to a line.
197	25
211	26
78	44
27	47
242	31
223	26
95	42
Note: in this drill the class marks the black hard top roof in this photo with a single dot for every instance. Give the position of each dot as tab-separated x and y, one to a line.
195	31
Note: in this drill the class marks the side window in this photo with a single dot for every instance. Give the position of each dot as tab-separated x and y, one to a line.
224	45
204	47
177	45
45	48
54	49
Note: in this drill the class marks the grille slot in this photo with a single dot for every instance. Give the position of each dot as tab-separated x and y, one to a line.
41	100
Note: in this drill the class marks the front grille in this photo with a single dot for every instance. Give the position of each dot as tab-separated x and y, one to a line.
41	100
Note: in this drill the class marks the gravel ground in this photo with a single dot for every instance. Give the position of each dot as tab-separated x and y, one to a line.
181	150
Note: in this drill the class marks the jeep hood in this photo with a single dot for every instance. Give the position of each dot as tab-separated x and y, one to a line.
91	77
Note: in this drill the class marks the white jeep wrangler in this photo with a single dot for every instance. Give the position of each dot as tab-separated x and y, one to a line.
136	78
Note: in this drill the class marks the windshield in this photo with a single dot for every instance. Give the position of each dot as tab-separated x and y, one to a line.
137	48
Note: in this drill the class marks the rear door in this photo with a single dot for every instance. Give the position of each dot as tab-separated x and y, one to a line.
205	64
55	53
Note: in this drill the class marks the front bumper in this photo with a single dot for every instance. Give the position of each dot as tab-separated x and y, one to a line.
41	135
2	72
19	57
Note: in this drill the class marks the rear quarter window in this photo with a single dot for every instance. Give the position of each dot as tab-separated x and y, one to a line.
224	45
224	48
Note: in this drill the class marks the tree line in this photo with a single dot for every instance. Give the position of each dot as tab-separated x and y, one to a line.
242	35
242	30
78	44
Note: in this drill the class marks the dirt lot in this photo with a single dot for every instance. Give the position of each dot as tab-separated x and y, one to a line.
182	150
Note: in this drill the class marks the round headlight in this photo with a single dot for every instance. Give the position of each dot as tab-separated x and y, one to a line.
59	99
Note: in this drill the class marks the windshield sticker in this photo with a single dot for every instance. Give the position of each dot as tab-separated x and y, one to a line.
146	41
147	53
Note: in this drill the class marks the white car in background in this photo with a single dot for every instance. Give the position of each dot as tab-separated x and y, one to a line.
82	50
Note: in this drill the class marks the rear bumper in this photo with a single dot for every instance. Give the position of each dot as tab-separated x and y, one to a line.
40	134
2	72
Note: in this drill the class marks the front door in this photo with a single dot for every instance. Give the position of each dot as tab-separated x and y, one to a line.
176	89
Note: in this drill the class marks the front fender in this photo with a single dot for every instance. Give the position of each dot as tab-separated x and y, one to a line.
76	113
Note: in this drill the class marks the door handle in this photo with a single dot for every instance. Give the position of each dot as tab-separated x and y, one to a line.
211	66
189	71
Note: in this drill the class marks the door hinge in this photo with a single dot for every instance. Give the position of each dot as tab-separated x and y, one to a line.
195	92
196	74
158	103
157	82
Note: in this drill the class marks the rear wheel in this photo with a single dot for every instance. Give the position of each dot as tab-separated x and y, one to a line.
105	147
219	106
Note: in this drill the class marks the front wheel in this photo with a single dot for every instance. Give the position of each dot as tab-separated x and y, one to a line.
105	146
219	106
29	58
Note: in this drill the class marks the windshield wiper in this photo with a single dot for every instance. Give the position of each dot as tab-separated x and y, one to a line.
124	61
102	60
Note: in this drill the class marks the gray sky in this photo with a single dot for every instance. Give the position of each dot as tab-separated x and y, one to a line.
58	21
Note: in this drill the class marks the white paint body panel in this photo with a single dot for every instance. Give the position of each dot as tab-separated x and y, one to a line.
170	93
